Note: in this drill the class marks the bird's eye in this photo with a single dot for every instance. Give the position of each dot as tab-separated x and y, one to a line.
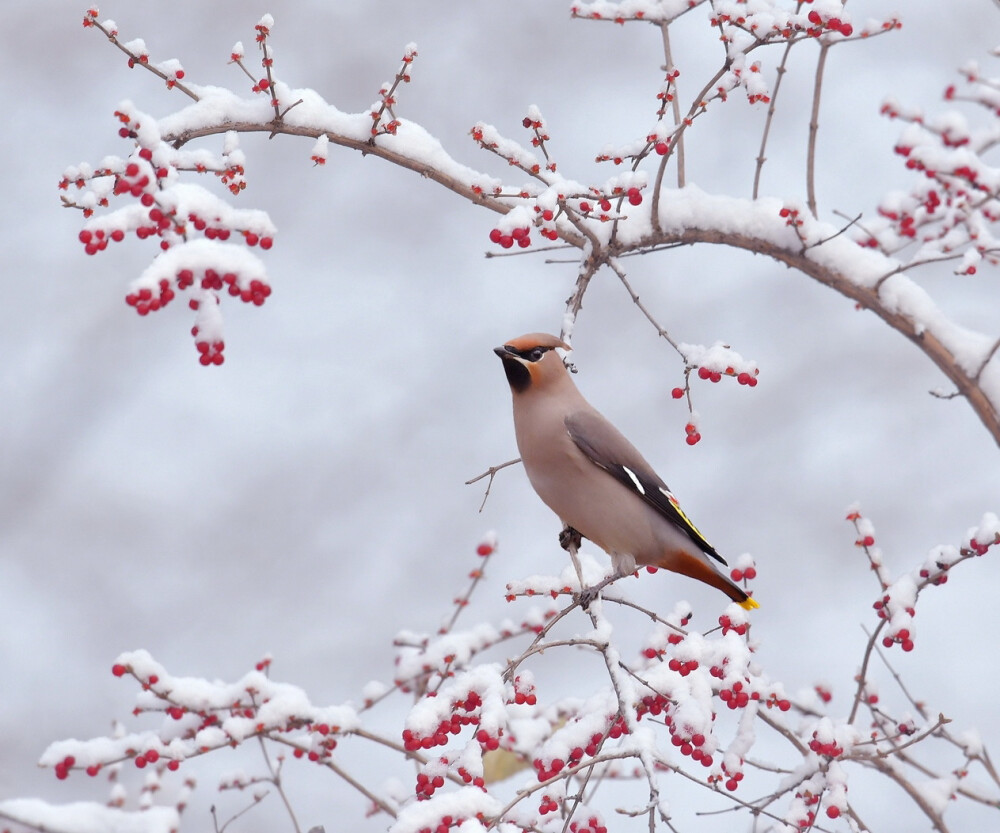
536	354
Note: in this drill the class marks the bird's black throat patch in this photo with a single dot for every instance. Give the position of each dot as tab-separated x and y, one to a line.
518	376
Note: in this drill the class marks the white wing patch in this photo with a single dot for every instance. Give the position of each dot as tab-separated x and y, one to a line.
635	481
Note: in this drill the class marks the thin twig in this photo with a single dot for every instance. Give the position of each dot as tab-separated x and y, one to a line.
660	331
215	821
275	778
780	73
136	60
491	472
675	105
814	130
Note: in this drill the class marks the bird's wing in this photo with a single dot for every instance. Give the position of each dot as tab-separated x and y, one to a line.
606	448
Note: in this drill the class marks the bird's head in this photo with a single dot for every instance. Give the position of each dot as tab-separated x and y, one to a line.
530	361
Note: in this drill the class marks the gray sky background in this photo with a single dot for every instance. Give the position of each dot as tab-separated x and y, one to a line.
307	499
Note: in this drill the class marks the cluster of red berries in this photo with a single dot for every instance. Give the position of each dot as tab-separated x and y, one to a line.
538	126
732	778
744	377
982	549
150	756
547	805
427	784
739	628
692	436
524	693
145	302
832	24
823	693
828	748
736	696
413	741
546	770
325	745
469	778
790	216
682	667
901	637
209	352
938	578
263	28
689	744
744	574
446	823
591	825
64	766
783	704
654	704
520	235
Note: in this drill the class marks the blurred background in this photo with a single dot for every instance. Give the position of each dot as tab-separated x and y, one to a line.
307	499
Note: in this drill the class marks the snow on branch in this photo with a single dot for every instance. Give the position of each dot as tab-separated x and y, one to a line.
952	211
494	749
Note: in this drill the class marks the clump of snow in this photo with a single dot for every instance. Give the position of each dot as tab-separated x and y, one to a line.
89	817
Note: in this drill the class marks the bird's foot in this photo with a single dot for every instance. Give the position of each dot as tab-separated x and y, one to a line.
570	539
587	595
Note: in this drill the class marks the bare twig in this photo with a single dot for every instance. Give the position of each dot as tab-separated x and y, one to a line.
275	778
491	472
761	158
824	48
675	104
137	60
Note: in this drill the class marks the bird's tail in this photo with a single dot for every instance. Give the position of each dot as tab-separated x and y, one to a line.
699	569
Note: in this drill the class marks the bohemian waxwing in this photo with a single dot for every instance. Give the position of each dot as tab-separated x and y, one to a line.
594	479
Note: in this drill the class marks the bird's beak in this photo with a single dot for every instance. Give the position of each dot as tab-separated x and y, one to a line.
502	352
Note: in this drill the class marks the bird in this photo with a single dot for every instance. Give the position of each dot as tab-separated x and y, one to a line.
593	478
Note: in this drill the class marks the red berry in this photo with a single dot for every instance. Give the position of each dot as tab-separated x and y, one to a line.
117	669
495	235
266	243
832	811
677	393
661	148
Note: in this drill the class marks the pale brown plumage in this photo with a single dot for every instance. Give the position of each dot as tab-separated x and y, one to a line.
593	478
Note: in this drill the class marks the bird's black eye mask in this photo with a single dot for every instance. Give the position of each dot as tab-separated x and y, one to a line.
532	355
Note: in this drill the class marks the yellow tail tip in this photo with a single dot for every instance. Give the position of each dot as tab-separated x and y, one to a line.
748	604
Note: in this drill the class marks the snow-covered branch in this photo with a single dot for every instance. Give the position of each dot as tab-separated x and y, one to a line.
689	703
604	222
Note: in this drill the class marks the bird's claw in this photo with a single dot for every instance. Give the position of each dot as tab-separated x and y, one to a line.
587	595
570	539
